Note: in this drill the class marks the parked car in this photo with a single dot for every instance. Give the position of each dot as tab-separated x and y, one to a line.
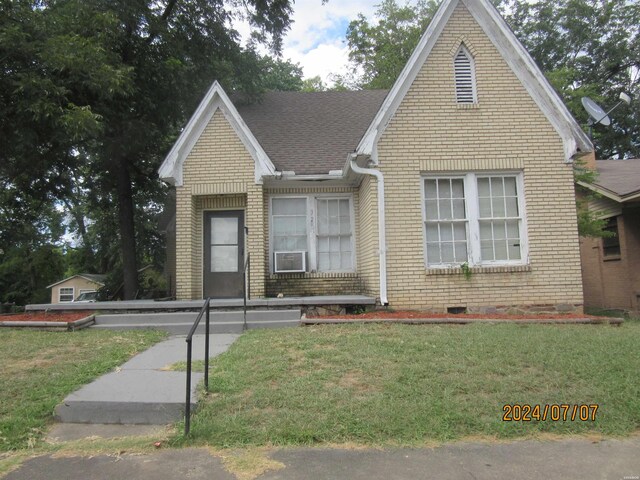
86	297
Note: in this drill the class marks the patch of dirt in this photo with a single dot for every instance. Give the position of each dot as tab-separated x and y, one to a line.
404	314
249	463
45	317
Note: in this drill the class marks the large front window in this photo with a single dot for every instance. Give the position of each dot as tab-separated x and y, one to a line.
473	218
318	228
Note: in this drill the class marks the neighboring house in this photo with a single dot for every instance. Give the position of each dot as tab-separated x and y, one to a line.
465	165
611	266
67	290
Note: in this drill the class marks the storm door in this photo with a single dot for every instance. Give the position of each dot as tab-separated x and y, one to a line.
223	253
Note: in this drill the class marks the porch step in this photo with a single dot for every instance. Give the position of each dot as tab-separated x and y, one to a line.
180	322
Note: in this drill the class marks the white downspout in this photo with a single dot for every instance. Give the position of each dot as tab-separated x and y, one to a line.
382	238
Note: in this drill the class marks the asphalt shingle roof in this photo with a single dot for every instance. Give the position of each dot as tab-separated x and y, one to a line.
311	132
621	177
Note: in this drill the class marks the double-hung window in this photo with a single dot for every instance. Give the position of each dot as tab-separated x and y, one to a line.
475	219
446	220
65	294
318	227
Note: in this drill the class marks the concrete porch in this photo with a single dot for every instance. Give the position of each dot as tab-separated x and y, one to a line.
304	303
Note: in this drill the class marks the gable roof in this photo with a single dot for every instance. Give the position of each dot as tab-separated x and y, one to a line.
311	132
618	180
524	67
92	277
215	99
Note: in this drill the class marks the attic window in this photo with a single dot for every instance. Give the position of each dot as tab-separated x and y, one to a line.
465	80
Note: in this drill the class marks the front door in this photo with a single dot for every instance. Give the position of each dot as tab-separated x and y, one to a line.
223	253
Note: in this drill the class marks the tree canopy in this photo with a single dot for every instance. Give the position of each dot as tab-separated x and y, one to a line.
93	93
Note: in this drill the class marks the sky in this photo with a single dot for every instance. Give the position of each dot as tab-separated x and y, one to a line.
316	39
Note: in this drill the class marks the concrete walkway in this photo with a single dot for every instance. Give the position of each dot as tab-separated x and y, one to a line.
524	460
142	391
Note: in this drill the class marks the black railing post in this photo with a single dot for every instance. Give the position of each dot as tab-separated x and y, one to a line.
194	327
206	349
187	405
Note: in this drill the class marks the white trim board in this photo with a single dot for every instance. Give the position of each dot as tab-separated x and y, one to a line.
518	59
215	99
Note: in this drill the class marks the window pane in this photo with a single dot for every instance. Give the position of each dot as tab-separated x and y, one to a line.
486	249
485	231
447	253
483	187
510	186
224	231
512	206
345	225
446	232
459	232
512	229
457	188
444	188
345	245
344	208
461	252
500	247
498	207
497	188
323	225
323	261
445	209
431	210
224	258
458	209
514	251
430	189
432	232
499	232
289	206
433	253
323	244
485	208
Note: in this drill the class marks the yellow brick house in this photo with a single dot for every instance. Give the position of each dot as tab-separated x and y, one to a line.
453	191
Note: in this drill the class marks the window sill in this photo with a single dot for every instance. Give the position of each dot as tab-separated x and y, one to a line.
275	276
611	258
475	270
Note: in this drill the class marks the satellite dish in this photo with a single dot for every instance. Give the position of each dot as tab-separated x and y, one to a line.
596	112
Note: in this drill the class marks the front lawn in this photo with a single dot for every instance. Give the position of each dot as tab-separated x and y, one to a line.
39	369
410	385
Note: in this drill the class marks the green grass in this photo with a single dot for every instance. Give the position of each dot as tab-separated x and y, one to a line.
40	368
407	385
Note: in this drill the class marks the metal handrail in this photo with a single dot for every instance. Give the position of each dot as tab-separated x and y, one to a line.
187	407
246	283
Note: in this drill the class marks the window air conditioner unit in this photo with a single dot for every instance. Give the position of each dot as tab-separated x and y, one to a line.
288	262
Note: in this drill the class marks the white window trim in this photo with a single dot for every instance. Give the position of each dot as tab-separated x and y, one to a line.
472	206
73	294
312	232
472	64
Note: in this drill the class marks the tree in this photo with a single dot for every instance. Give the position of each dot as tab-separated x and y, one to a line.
103	87
380	51
587	48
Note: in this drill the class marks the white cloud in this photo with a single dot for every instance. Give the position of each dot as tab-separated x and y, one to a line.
316	39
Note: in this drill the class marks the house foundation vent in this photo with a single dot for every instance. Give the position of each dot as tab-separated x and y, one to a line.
456	310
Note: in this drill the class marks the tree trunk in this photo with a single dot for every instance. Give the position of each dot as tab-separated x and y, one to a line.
127	231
